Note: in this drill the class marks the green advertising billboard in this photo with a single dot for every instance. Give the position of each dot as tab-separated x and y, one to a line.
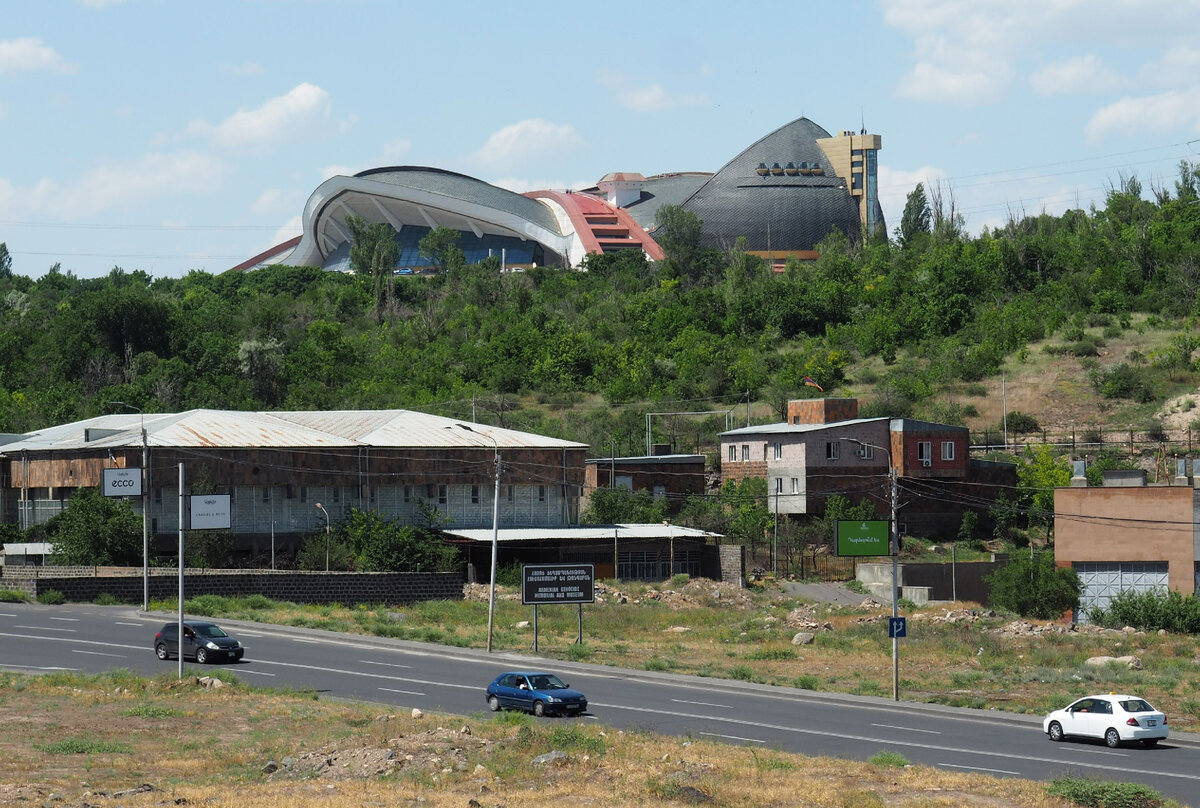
860	537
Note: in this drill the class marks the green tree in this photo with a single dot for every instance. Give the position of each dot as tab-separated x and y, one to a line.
1039	472
610	506
5	261
96	530
381	545
441	247
678	233
373	253
1035	587
916	217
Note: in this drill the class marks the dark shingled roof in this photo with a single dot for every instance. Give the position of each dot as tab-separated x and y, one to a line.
776	212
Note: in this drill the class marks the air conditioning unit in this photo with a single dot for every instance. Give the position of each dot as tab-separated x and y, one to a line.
860	453
926	462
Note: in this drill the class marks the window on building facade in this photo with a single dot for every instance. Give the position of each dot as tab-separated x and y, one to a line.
924	450
732	452
442	495
778	485
541	493
337	493
304	493
510	493
795	485
833	450
745	451
947	450
408	493
266	493
660	492
778	451
474	495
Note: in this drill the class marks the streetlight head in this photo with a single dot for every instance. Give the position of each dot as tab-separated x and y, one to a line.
319	508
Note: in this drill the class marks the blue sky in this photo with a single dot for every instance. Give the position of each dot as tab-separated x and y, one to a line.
166	136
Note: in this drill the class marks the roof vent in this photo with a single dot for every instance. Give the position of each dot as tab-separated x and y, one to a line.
762	170
791	170
776	169
805	168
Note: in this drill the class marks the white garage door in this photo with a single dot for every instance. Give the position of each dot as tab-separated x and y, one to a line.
1103	580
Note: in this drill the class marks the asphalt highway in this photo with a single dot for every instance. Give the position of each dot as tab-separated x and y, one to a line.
87	638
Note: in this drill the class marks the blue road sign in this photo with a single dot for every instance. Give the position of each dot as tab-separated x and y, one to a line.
897	627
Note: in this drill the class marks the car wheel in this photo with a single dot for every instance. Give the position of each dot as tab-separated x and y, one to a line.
161	651
494	704
201	656
1112	739
1055	733
1150	742
539	709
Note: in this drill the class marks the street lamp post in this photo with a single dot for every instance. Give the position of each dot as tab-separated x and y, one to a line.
895	548
495	531
145	508
321	508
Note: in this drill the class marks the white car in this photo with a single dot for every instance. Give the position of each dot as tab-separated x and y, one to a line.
1112	718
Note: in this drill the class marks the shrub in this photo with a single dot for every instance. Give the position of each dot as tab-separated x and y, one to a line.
1022	423
1103	794
1156	432
106	599
1150	610
1035	588
857	587
12	596
886	758
52	597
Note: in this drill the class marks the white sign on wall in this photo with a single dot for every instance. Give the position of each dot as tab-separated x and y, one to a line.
121	482
209	511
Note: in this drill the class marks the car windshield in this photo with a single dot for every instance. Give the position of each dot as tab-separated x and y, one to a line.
1136	706
547	681
210	631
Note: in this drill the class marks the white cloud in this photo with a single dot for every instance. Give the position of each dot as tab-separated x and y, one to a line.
1170	111
928	82
340	170
395	149
245	69
520	185
301	112
529	139
1178	66
895	185
114	185
969	51
274	200
644	98
293	228
1082	74
29	53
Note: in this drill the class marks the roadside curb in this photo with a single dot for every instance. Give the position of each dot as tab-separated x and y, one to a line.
520	659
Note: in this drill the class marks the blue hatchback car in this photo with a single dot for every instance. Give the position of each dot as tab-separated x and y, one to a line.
536	692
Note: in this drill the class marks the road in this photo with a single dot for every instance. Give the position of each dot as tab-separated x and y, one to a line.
87	638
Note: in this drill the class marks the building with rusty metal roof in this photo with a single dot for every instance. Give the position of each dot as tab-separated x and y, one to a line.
276	467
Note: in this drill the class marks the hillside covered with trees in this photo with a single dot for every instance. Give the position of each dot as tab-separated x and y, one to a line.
584	355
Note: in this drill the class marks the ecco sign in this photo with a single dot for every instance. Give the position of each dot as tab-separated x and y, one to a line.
122	482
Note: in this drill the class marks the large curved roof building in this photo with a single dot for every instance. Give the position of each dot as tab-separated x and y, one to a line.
782	194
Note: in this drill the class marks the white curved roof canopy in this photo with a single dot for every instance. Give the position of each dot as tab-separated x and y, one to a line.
426	197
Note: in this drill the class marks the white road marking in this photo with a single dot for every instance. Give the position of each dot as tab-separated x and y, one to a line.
1106	766
732	737
386	664
6	614
368	675
405	692
45	628
977	768
702	704
136	625
66	619
96	653
907	729
34	667
249	634
243	672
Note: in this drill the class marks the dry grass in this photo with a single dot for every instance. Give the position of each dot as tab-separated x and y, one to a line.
967	664
208	747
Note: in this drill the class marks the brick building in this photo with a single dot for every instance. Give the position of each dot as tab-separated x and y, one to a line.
670	476
824	449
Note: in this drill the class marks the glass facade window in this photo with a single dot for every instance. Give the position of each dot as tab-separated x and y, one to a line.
947	450
872	189
924	450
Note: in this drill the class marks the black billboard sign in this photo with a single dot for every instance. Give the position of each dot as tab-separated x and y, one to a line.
558	583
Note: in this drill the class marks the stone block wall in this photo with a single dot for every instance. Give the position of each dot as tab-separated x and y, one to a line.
393	588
